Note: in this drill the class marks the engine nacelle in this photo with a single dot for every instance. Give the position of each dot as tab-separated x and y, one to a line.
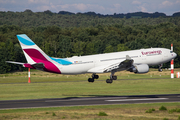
142	68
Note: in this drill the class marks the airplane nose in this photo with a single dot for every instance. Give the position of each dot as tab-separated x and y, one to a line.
174	54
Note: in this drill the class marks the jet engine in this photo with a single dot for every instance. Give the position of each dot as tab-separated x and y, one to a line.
141	68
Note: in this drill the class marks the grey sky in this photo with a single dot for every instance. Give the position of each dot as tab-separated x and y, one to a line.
99	6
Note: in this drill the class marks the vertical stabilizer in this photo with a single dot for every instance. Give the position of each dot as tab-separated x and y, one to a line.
31	51
35	56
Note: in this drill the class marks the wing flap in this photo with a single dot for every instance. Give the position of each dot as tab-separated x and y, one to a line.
103	68
124	65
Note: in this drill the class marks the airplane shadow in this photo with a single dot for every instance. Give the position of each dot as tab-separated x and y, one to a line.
116	96
137	96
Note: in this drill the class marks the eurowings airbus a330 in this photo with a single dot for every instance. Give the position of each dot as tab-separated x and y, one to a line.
137	61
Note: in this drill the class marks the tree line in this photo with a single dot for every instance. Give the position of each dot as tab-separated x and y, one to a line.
67	42
29	19
120	34
128	15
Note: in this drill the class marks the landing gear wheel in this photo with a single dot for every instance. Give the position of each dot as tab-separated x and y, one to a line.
114	77
96	76
90	80
109	81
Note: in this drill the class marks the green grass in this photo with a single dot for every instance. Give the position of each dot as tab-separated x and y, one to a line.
14	86
110	112
85	89
39	76
48	85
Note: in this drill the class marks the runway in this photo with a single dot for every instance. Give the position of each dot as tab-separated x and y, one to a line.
99	100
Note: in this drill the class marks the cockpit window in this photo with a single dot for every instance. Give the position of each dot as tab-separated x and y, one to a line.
171	51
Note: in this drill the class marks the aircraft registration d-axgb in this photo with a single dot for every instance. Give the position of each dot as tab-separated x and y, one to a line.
137	61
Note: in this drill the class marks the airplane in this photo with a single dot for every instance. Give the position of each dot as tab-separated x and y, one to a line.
137	61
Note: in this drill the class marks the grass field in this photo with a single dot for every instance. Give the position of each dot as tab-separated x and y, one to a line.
113	112
46	85
38	76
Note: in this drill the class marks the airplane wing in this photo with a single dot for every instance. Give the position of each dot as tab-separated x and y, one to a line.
124	65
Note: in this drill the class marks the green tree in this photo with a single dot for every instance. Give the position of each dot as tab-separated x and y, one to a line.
89	50
78	48
122	47
109	49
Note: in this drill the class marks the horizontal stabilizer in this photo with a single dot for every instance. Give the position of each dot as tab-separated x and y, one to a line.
38	66
15	62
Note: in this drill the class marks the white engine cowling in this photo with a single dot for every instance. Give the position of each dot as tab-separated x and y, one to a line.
142	68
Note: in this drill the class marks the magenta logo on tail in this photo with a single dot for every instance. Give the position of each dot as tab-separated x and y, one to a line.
39	58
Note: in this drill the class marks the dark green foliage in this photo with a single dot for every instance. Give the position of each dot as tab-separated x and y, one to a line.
66	19
178	110
162	108
174	110
179	117
53	114
102	114
66	35
165	119
150	110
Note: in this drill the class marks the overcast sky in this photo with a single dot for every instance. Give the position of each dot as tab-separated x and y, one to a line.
99	6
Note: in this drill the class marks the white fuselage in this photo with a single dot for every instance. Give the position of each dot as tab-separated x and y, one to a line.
85	64
137	61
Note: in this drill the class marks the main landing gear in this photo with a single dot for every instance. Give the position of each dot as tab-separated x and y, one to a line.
160	68
94	76
112	77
